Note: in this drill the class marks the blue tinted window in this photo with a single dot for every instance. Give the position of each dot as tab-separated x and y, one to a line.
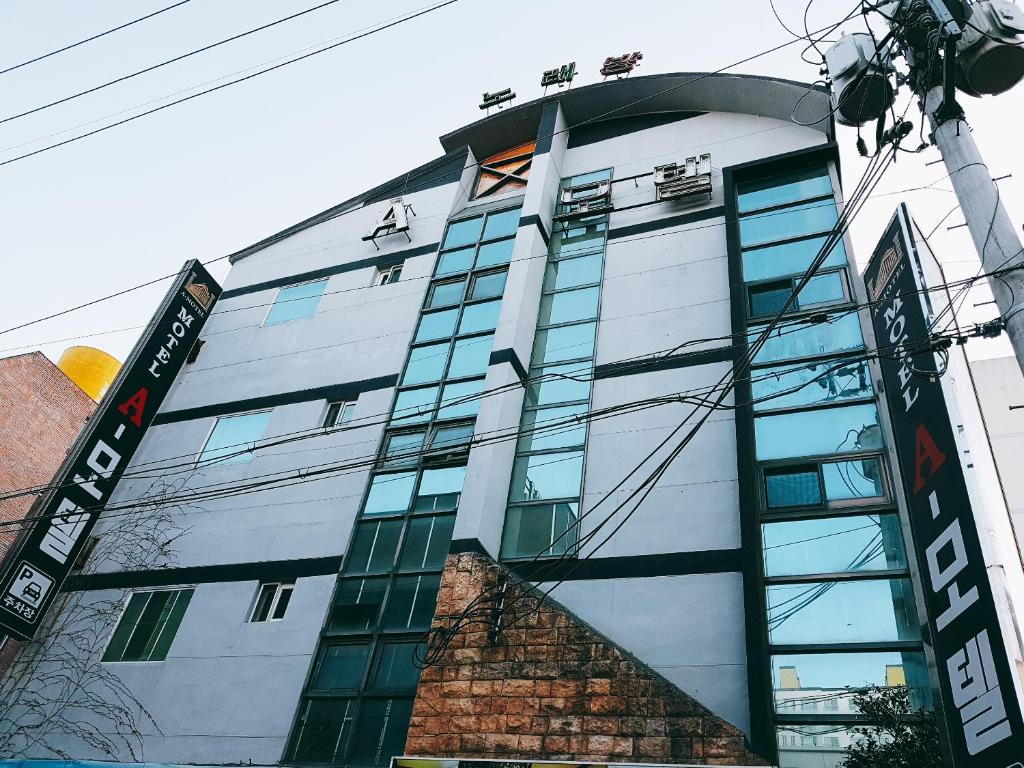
426	364
341	666
547	476
784	188
389	494
502	224
829	288
415	405
810	433
470	356
842	612
540	529
463	398
455	261
836	673
480	317
814	383
550	428
493	254
792	487
579	239
488	286
565	343
440	489
854	479
559	384
788	340
569	306
437	325
233	436
296	301
770	298
789	259
585	270
444	294
789	222
463	232
833	545
402	449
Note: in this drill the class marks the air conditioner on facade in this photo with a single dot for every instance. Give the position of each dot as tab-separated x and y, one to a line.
585	200
678	181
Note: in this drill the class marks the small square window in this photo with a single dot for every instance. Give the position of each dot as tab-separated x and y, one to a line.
388	275
339	413
271	602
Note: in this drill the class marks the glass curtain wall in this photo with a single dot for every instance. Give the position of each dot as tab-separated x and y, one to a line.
547	477
358	699
841	610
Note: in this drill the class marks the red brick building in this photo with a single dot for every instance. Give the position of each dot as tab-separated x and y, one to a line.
41	414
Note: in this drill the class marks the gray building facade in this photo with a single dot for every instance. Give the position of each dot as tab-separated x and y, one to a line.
503	377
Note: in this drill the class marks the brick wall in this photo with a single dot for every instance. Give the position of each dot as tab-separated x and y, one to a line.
552	688
41	414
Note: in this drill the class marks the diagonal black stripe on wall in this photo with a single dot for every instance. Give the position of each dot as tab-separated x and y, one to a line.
669	221
380	262
509	356
534	220
266	570
665	363
634	566
332	392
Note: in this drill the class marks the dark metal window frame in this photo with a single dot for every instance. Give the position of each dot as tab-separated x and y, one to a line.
377	635
536	367
764	719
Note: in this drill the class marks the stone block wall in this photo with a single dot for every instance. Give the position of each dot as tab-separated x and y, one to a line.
543	685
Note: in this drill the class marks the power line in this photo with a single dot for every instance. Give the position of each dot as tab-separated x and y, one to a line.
408	178
352	38
183	56
90	39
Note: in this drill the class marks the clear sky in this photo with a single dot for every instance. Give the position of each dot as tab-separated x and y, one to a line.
222	171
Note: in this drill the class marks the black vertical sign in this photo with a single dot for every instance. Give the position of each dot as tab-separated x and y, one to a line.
39	562
980	703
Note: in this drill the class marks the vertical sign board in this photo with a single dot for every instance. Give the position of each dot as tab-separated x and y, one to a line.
982	714
38	563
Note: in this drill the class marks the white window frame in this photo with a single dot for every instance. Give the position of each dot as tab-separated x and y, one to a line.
383	276
266	316
209	434
345	406
279	588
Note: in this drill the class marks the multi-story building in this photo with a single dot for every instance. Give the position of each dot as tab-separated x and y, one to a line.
42	409
482	371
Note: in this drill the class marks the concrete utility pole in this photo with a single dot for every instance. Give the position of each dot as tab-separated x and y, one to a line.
998	244
924	28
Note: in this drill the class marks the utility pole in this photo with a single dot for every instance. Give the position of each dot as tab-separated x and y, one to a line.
997	242
951	45
932	26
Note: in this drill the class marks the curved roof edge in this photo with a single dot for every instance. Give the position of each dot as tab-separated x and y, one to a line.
775	97
805	103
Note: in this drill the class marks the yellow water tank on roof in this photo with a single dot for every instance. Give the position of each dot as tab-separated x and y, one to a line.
93	370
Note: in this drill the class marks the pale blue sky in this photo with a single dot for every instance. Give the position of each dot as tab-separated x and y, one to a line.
218	173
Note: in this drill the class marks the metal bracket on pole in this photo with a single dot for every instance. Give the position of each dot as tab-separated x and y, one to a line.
949	109
949	32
